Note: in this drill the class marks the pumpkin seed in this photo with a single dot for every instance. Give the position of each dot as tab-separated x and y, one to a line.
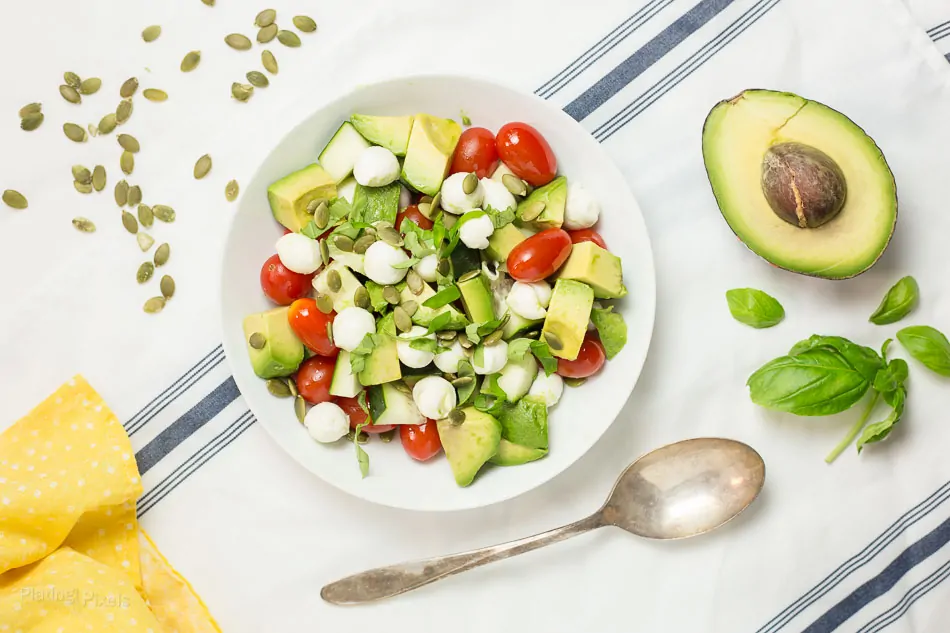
426	199
324	303
370	230
515	186
154	305
265	18
146	217
574	382
288	38
472	274
93	130
162	253
402	320
267	33
107	123
361	298
167	286
15	199
292	385
305	23
463	341
257	340
492	338
164	213
127	162
130	223
84	225
444	267
464	381
553	341
321	215
411	307
99	178
231	191
82	174
343	243
202	167
154	94
210	3
123	111
391	295
129	87
30	108
258	79
362	438
456	417
145	272
74	133
129	143
121	193
151	33
90	86
362	245
447	335
436	202
387	436
389	235
190	61
242	92
469	184
533	210
425	208
324	252
238	42
415	282
31	121
270	62
135	196
300	408
72	79
145	241
334	281
82	188
70	94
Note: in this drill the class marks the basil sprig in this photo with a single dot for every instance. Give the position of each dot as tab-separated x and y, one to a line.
927	345
899	301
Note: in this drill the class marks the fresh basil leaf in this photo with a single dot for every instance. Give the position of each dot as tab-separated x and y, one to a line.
454	235
884	347
361	400
754	307
409	263
438	232
815	382
465	393
500	218
339	210
864	359
349	229
485	402
425	344
443	297
418	241
363	350
439	322
518	348
491	399
311	230
892	376
478	358
543	353
376	299
612	329
927	345
471	331
361	456
899	301
525	423
880	430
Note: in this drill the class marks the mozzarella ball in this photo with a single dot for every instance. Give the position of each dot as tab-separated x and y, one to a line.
476	231
497	196
379	261
409	356
299	253
581	210
454	198
351	326
448	361
346	189
376	167
494	358
548	388
428	268
529	300
435	397
327	422
405	198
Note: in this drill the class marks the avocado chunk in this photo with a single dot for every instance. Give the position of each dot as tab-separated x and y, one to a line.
340	154
373	204
799	183
554	198
598	268
470	444
290	195
503	241
568	315
525	422
477	298
431	145
343	298
382	364
511	454
423	316
282	352
344	383
391	132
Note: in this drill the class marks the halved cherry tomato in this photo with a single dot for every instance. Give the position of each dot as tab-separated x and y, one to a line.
310	326
421	441
413	213
587	235
588	362
282	285
352	408
475	152
539	256
313	379
287	231
526	153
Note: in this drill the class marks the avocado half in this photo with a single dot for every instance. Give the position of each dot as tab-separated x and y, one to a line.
799	183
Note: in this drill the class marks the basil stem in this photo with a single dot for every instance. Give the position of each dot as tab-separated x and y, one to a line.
855	430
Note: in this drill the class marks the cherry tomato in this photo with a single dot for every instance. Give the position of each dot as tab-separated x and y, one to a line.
587	235
421	441
351	407
281	285
475	152
310	326
287	231
413	213
539	256
526	153
588	362
313	379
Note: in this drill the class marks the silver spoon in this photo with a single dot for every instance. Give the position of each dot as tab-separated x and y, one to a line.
676	491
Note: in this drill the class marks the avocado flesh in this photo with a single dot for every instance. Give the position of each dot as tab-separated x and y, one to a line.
554	197
477	298
503	241
282	352
598	268
290	195
736	136
382	364
511	454
567	317
431	146
391	132
469	445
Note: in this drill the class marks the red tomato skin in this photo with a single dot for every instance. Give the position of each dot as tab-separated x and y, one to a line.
352	408
587	235
589	361
282	285
526	153
413	213
539	256
420	441
476	152
313	379
310	326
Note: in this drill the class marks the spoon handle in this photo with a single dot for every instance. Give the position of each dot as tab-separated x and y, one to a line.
385	582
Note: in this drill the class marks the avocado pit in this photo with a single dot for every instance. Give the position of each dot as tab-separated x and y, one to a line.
802	184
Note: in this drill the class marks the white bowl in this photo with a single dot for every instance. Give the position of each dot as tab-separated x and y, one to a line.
583	414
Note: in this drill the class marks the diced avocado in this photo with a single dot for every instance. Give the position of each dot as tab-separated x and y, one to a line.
353	261
282	352
343	298
500	172
503	241
376	296
382	365
464	260
423	316
391	132
511	454
373	204
431	145
477	298
344	383
340	154
518	324
470	444
568	315
598	268
516	377
290	195
525	422
554	197
392	403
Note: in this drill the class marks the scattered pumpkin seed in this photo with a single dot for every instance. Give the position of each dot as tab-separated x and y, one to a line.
402	320
334	281
270	62
123	111
370	230
321	215
146	217
70	94
361	298
127	162
90	86
238	42
210	3
425	208
436	202
574	382
533	210
154	94
324	303
387	436
411	307
313	204
129	87
288	38
162	253
164	213
154	305
463	381
447	335
343	243
72	79
469	184
15	199
514	185
415	282
129	143
82	174
84	225
305	23
456	417
130	223
362	245
75	133
99	178
30	108
242	92
267	34
257	340
258	79
300	406
190	61
83	188
472	274
292	385
330	332
31	121
107	123
492	338
151	33
464	341
389	235
553	341
324	252
202	167
145	272
122	193
167	286
93	130
135	196
145	240
391	295
231	191
265	18
444	267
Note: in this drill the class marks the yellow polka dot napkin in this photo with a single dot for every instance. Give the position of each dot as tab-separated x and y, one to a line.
72	555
